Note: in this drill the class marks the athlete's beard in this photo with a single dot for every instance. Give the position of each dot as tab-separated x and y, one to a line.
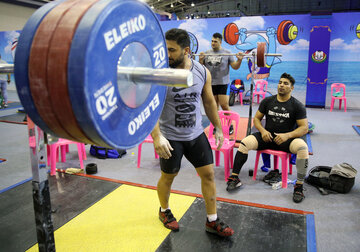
176	62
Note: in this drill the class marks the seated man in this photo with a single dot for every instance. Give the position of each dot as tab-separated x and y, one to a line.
285	126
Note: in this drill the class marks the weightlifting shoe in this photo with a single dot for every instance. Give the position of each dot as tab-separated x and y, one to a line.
168	219
298	194
233	183
218	227
270	175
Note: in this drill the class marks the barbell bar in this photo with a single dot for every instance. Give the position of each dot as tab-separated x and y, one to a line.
259	55
144	75
286	32
234	54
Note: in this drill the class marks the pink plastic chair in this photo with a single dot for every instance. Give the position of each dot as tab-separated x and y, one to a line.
148	139
285	160
53	153
227	118
260	89
338	93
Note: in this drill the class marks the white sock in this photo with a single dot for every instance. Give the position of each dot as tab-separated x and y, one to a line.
212	217
163	210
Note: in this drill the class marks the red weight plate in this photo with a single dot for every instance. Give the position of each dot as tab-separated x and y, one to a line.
225	33
280	32
260	54
57	69
231	34
38	68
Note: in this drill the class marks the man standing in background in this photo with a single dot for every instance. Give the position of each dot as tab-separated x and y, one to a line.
218	65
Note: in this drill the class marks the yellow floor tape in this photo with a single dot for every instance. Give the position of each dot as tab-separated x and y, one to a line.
125	220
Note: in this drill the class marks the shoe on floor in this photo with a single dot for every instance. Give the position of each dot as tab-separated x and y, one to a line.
276	178
168	219
218	227
270	175
298	194
231	130
233	183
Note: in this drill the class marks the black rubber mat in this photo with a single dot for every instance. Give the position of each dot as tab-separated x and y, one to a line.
17	118
256	229
70	195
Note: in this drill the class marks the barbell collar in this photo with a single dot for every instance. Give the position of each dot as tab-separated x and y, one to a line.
145	75
6	68
163	76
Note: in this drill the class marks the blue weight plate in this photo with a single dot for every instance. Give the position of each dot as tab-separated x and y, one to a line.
21	64
110	32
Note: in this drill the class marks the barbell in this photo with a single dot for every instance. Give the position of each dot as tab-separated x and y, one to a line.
82	69
260	54
286	32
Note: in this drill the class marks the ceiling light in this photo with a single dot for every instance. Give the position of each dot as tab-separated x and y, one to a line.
192	4
171	5
209	12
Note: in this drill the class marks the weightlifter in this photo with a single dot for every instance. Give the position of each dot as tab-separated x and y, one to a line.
179	133
219	66
285	127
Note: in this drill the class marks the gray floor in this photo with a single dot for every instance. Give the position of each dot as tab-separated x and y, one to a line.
337	216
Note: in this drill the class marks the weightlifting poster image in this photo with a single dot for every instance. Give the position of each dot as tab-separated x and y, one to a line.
288	35
8	42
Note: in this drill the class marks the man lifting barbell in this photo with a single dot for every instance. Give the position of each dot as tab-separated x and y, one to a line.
179	133
218	65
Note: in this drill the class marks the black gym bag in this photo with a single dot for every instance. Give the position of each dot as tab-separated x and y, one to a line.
340	178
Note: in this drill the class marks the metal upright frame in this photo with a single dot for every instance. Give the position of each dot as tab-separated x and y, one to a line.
40	188
248	132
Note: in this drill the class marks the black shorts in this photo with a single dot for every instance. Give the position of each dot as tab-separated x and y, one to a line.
197	151
285	146
220	89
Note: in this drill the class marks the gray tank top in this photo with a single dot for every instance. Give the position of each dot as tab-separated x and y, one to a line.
218	66
181	117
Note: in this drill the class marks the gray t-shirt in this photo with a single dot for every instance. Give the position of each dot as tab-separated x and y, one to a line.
181	117
219	66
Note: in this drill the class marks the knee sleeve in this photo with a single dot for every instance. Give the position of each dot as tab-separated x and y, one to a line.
300	148
248	143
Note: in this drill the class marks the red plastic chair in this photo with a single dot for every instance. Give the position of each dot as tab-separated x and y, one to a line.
285	160
338	93
53	153
227	118
260	89
148	139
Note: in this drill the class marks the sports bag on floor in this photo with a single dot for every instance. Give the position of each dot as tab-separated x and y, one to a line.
339	178
103	153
